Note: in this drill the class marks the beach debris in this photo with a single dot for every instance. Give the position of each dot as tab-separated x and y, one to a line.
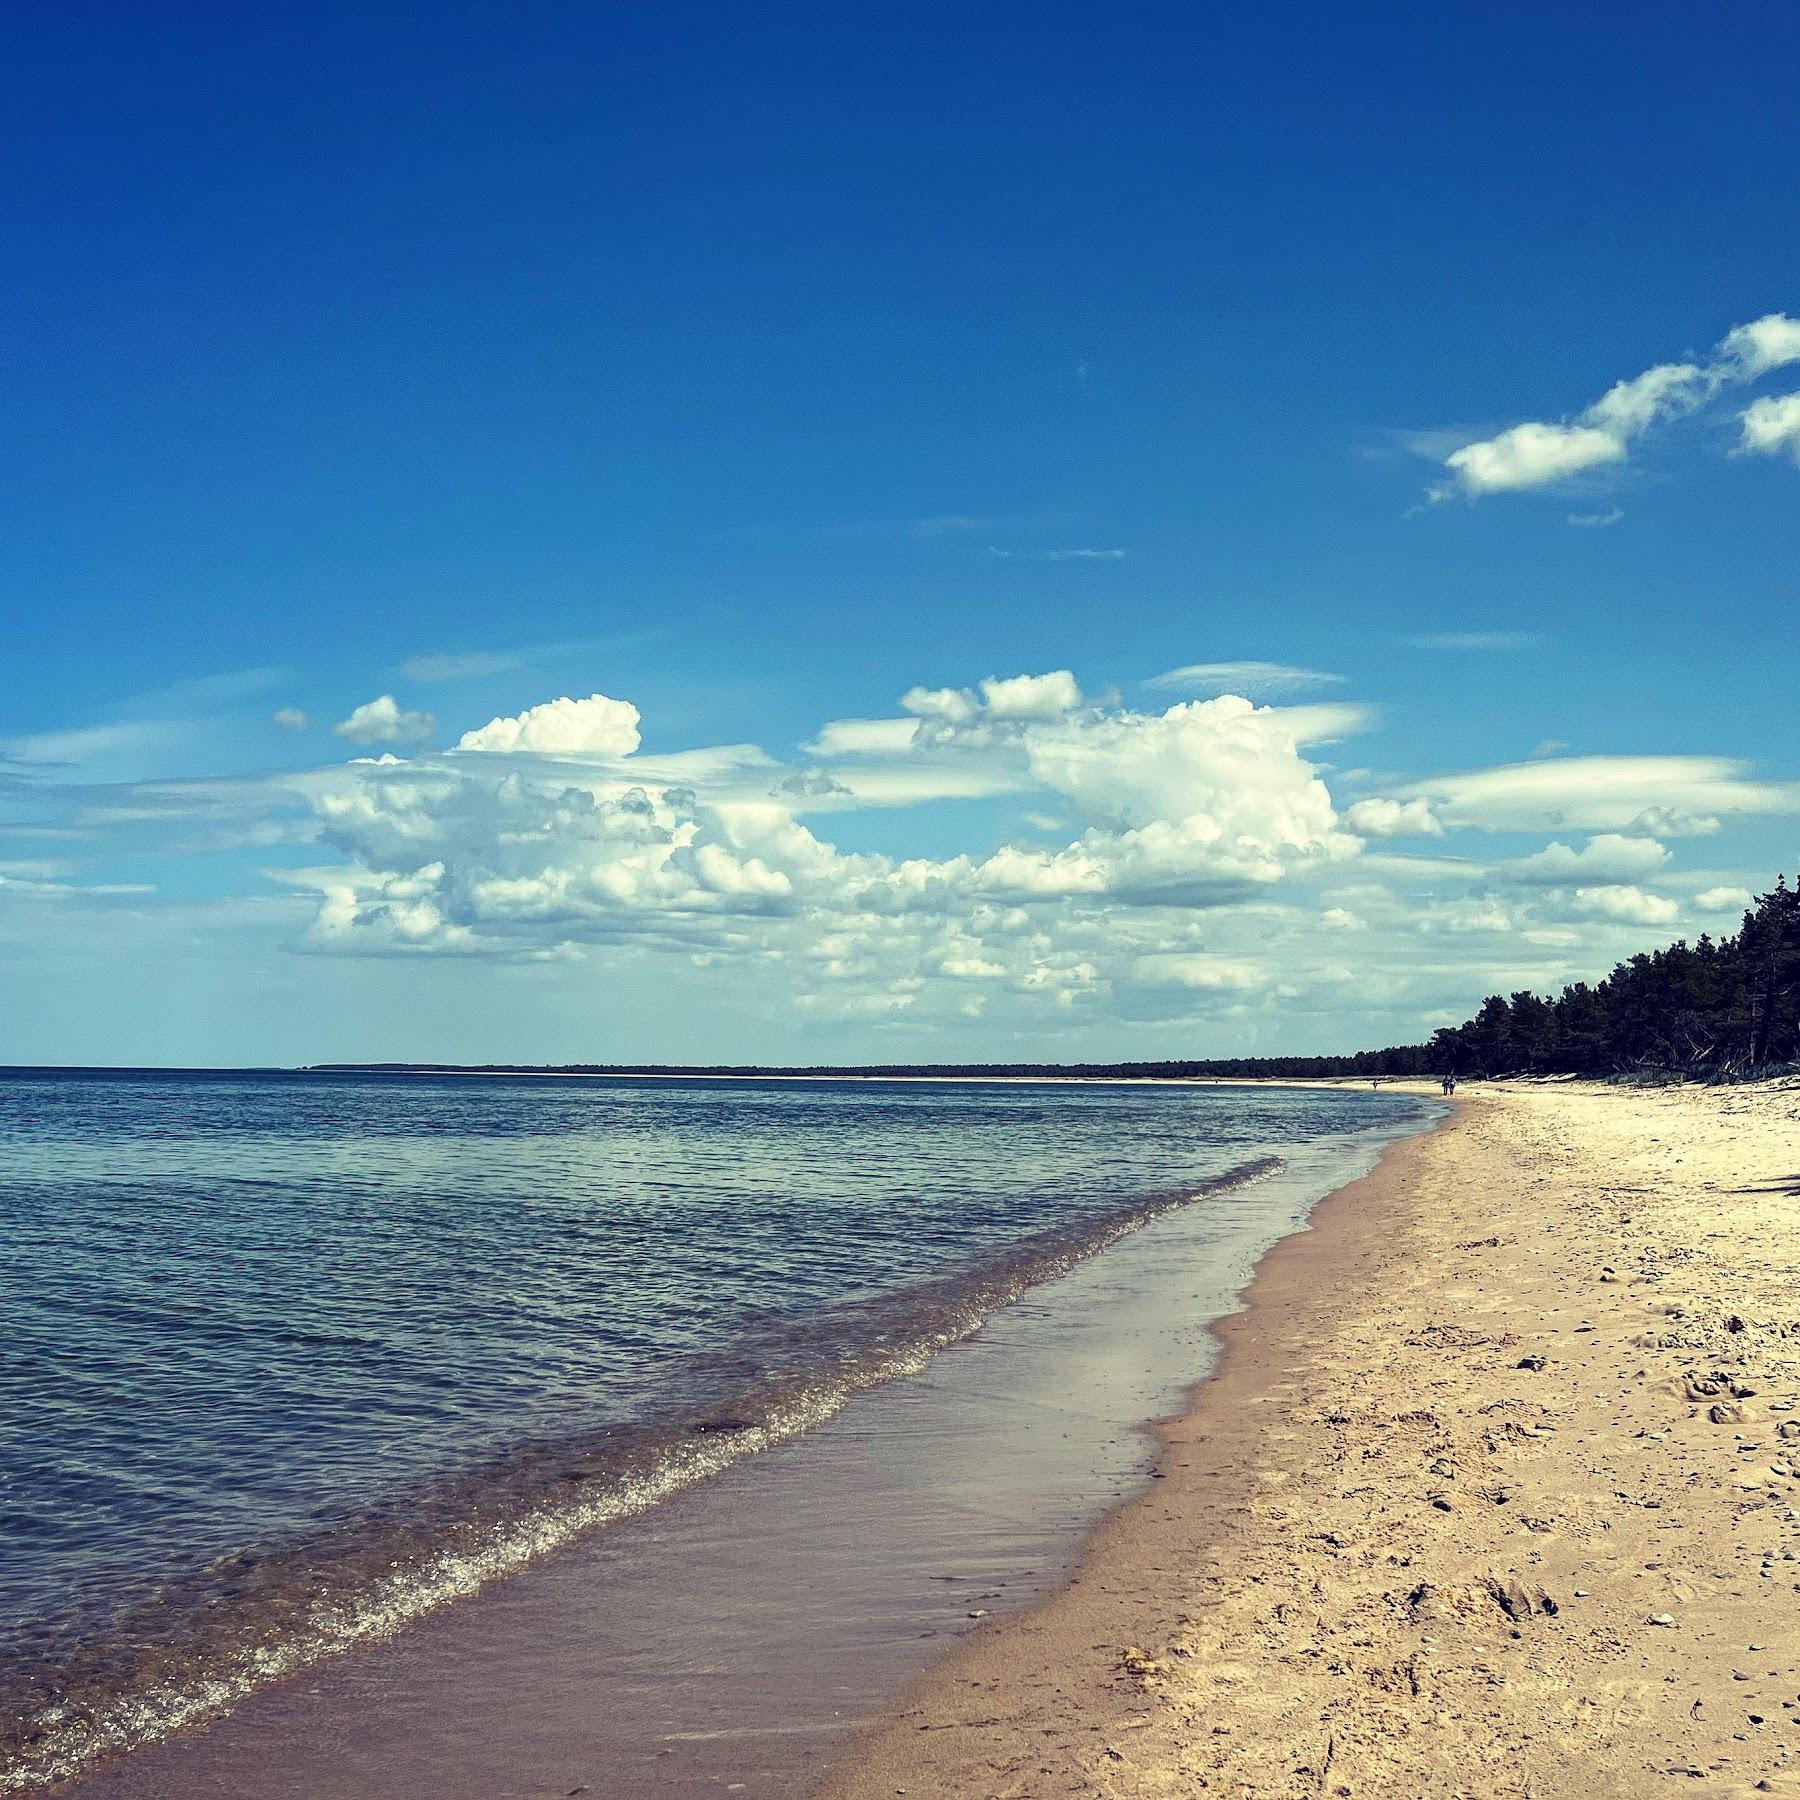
1531	1362
1661	1619
1141	1664
1425	1602
1719	1382
1725	1412
1518	1601
1436	1336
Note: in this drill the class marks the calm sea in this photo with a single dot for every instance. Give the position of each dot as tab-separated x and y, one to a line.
289	1360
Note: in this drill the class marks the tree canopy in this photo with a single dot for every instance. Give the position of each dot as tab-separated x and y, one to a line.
1724	1008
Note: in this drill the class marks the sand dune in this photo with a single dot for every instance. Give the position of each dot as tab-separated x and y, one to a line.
1491	1497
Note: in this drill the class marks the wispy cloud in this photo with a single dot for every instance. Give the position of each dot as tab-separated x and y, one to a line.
1606	515
460	666
1473	640
447	666
150	721
1645	796
206	693
39	888
1082	554
863	737
89	743
1246	677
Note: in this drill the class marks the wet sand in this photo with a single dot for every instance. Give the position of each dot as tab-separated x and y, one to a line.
1490	1496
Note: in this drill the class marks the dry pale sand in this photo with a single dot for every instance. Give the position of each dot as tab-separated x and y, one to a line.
1491	1496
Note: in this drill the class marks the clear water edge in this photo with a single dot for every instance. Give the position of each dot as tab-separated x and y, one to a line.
490	1521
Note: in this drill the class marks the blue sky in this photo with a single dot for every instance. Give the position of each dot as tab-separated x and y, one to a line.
757	367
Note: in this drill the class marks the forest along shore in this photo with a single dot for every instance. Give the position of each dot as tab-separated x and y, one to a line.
1496	1493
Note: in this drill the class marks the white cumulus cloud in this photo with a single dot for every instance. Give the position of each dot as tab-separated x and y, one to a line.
1014	698
1103	865
1191	807
1606	857
1196	969
1103	861
1771	425
384	720
1723	899
1385	818
1628	904
1771	342
596	726
1540	453
1532	455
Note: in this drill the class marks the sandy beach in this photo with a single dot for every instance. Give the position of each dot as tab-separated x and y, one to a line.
1490	1496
